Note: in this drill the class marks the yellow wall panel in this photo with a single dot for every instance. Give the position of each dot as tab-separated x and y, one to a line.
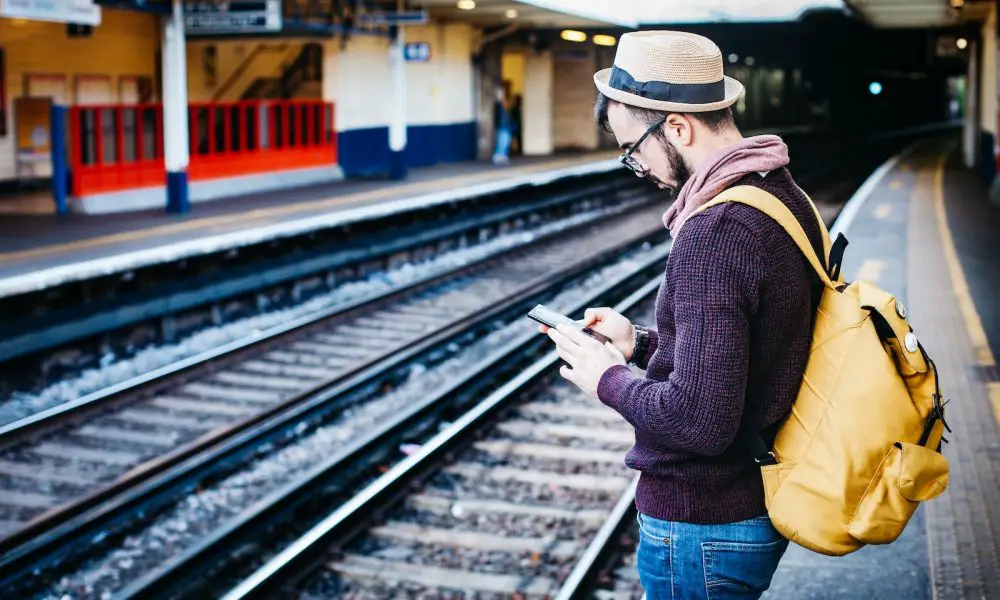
124	45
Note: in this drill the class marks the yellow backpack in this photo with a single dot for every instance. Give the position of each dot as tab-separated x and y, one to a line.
860	448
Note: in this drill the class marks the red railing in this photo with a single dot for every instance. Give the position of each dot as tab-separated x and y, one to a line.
115	147
119	147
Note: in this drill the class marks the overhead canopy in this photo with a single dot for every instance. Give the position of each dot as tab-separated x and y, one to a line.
637	13
920	13
528	14
624	13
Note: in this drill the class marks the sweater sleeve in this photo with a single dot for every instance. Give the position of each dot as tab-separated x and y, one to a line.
716	274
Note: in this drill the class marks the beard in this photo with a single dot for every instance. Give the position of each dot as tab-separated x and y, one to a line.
677	165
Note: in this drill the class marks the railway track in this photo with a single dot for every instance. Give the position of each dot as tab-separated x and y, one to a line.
82	471
520	497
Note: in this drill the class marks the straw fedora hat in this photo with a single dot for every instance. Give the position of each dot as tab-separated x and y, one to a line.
671	71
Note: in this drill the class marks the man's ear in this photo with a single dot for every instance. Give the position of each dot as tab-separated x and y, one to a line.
679	128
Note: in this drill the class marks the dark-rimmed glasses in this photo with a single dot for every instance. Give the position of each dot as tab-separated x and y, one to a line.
626	157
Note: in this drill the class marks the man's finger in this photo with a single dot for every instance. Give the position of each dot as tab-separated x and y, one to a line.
567	356
569	375
592	315
567	350
577	336
558	335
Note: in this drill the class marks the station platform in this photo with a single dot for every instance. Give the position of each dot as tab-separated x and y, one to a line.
38	251
923	228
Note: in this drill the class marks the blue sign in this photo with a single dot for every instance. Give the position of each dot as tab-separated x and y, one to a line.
417	51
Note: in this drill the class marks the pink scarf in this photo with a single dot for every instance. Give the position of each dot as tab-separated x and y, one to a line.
723	167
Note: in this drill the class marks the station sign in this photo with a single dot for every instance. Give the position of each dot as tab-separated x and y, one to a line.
82	12
410	17
233	16
417	51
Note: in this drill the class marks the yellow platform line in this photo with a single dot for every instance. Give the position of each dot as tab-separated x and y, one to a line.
959	284
993	393
375	195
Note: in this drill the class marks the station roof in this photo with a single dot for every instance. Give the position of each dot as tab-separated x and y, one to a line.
522	12
631	14
921	13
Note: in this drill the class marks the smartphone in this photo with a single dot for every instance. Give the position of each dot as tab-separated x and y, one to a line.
547	316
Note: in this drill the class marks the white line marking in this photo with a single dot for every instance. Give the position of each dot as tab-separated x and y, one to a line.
871	270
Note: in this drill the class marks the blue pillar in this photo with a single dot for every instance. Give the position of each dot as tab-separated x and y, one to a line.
177	192
175	108
57	146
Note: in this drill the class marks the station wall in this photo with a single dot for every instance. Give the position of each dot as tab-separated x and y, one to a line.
42	60
441	126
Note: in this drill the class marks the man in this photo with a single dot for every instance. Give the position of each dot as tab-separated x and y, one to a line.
502	119
733	322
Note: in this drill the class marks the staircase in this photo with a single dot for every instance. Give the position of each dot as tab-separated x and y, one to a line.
302	77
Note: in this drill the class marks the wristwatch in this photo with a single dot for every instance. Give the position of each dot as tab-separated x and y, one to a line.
641	345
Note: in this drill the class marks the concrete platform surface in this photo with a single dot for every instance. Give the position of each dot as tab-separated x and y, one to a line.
39	250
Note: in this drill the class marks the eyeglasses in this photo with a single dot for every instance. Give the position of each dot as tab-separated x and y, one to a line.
626	157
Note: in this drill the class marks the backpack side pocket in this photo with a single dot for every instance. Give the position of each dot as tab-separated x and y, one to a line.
908	475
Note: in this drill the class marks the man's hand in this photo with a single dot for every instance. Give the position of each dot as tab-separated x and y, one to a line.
606	321
587	358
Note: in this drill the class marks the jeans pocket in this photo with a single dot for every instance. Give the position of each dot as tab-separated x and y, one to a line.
654	531
740	569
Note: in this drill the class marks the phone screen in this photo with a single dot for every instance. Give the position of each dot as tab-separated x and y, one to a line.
547	316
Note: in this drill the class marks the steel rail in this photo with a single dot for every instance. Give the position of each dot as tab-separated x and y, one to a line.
474	380
349	517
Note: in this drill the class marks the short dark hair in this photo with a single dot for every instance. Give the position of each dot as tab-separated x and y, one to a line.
716	120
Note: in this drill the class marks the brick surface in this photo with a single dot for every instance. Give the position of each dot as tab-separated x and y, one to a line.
964	523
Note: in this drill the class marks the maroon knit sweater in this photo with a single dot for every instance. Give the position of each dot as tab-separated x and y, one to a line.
733	327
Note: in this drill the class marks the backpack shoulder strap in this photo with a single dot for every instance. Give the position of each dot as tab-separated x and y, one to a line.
776	209
823	232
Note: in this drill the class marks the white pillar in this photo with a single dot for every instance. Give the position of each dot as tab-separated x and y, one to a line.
971	125
397	123
175	107
537	106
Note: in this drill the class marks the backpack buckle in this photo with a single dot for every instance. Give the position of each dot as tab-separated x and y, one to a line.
767	459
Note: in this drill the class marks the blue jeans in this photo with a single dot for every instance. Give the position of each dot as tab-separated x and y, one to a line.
502	150
684	561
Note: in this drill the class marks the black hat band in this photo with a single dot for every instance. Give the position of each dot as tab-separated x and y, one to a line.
686	93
